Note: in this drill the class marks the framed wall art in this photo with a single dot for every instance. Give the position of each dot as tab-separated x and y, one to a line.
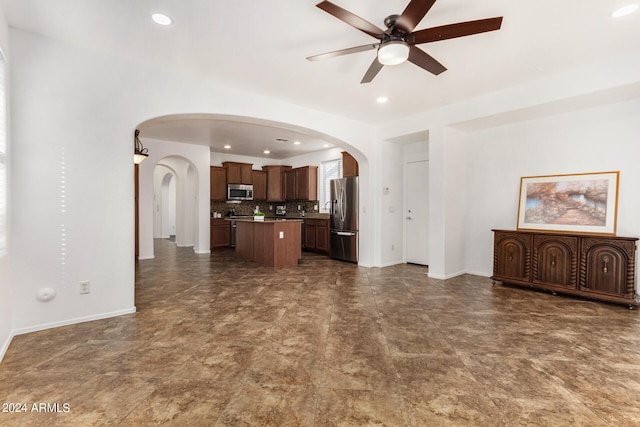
584	203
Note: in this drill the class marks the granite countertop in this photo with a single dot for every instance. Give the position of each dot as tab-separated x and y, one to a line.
295	216
266	219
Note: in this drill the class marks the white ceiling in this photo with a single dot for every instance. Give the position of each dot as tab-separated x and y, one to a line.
261	46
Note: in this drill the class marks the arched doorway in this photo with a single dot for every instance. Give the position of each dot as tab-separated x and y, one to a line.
175	186
164	212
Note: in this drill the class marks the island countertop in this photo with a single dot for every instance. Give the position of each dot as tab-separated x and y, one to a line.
265	220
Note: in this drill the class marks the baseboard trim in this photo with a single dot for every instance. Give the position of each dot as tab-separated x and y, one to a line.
73	321
5	345
445	277
391	263
478	273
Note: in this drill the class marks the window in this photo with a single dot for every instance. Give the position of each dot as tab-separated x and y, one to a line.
331	169
3	160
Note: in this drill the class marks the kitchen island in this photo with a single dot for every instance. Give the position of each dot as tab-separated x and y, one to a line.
272	242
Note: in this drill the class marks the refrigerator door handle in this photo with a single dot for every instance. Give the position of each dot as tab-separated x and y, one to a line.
344	233
343	206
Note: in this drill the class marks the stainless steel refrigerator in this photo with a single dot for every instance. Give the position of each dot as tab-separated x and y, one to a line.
344	219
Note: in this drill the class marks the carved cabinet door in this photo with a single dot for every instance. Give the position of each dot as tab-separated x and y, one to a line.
511	256
608	266
555	260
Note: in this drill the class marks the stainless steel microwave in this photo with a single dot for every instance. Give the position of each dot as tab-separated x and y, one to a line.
239	192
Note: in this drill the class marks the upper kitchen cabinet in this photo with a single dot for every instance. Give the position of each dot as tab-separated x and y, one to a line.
238	173
259	185
275	182
307	183
290	184
302	183
218	183
349	165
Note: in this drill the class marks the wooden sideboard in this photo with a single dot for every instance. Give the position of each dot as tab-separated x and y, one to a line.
593	266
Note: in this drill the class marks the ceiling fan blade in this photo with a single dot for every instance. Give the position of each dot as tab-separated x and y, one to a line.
413	14
343	52
424	60
373	71
452	31
351	19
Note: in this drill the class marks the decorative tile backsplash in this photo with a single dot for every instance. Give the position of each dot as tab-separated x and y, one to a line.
247	208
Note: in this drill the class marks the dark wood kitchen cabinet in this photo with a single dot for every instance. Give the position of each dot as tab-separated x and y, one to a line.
290	185
276	182
238	173
592	266
349	165
220	233
316	235
259	185
301	183
218	183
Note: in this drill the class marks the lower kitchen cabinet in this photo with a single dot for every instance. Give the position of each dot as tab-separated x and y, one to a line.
316	235
220	233
591	266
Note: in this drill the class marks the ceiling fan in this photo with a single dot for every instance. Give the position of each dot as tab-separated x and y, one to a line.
397	43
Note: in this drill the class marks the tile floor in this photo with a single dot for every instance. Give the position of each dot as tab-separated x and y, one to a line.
222	342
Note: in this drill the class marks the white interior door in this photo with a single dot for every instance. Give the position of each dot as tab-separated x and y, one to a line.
417	212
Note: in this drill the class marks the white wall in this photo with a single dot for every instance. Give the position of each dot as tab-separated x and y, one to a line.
6	260
257	162
594	140
72	185
389	187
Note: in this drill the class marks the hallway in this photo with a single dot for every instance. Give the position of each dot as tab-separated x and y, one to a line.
218	341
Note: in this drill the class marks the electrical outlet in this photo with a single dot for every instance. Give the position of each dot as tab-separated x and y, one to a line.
85	287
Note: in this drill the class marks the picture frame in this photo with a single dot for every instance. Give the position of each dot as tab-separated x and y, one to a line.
582	203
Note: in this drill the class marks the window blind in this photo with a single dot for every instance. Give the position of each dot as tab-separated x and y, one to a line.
331	169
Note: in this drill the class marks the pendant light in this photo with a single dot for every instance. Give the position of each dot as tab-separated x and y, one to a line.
139	153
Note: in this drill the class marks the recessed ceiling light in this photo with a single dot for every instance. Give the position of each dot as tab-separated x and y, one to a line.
227	146
382	99
296	142
326	145
266	151
161	19
625	10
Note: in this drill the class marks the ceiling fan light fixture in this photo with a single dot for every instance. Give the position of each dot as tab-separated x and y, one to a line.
393	53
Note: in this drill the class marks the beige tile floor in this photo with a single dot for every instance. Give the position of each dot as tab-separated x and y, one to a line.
222	342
